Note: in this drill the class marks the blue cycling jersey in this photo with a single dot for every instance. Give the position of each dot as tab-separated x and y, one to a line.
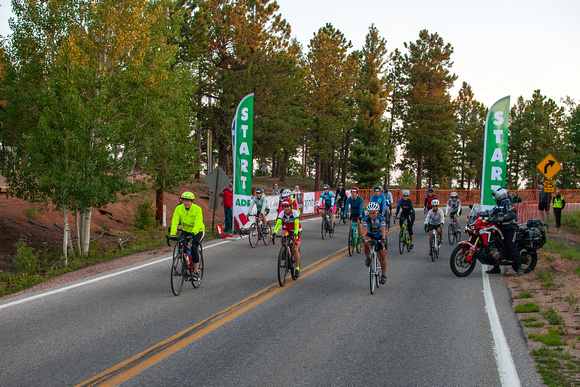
382	200
374	227
356	206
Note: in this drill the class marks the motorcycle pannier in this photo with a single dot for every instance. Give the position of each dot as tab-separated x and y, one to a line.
534	238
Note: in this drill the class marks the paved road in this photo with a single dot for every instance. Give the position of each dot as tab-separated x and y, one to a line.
424	327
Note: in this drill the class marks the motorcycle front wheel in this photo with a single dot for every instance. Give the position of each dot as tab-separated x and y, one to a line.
529	261
460	266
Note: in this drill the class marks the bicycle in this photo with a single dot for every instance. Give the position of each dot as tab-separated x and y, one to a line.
259	231
435	243
404	239
179	270
353	239
340	213
453	233
286	263
325	226
388	219
374	265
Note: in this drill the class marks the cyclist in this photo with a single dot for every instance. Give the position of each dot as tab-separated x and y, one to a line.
357	209
286	194
191	218
340	195
405	205
375	228
380	199
261	206
428	199
326	204
434	220
389	197
505	215
453	208
290	219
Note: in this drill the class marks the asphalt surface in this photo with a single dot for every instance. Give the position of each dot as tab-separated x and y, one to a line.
425	327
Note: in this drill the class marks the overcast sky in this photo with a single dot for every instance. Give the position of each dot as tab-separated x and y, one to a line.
501	48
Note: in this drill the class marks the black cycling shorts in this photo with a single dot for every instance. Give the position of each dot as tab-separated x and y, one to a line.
355	218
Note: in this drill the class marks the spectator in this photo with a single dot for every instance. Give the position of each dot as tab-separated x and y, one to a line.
558	203
263	169
275	190
544	204
516	198
298	196
228	195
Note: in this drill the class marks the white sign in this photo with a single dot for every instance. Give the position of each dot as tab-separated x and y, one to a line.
308	203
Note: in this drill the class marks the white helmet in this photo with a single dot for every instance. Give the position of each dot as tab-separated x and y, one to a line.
373	206
285	193
453	194
435	202
406	192
499	195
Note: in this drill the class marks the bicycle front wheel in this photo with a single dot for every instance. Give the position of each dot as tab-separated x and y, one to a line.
254	235
267	235
330	230
350	242
197	284
323	227
433	248
282	266
401	241
372	271
177	270
358	248
451	234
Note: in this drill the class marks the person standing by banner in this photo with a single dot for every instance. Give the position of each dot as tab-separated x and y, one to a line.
558	203
228	196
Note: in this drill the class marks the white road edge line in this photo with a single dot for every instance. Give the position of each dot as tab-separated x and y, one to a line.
64	289
503	357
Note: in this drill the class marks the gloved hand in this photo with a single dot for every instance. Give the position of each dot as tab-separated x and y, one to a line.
426	229
494	220
384	241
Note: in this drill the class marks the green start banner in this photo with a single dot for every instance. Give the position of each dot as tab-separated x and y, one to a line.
495	151
242	140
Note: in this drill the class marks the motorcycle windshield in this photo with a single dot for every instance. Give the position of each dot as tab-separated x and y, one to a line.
475	209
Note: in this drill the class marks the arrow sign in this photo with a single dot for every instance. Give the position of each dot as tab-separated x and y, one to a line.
549	167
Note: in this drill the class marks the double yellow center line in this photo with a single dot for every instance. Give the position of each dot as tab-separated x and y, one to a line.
142	361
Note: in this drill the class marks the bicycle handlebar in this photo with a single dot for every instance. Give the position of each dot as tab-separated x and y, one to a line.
176	238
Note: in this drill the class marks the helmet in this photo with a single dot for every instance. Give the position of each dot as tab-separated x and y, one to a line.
377	188
406	192
453	194
259	191
187	195
499	195
325	186
435	202
373	206
285	193
354	189
286	202
340	184
430	190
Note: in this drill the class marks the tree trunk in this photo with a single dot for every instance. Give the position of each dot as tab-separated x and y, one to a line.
419	172
317	174
65	234
224	157
284	166
159	200
78	229
86	231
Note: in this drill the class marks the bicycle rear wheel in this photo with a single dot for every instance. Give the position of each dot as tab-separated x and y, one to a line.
197	284
282	266
401	241
372	270
451	234
388	221
267	236
254	235
330	230
350	242
177	270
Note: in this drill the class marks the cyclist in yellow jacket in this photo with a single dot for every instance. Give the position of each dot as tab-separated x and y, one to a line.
190	216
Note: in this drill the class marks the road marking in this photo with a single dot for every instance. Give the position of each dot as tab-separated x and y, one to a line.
503	357
133	366
64	289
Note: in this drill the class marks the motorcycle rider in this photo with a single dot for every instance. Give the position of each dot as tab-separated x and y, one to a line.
505	216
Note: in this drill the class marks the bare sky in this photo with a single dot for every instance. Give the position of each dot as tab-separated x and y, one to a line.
501	47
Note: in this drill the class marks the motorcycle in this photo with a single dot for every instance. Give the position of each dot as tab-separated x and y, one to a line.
485	244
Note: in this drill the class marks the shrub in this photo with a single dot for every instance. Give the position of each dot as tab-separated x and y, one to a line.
145	215
553	317
528	307
25	260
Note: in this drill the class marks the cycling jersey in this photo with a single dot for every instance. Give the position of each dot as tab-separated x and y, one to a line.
291	221
340	195
191	220
381	200
326	199
406	207
261	204
389	197
435	218
453	207
356	206
374	227
428	201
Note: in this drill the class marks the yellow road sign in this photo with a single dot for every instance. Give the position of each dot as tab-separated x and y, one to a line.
549	167
549	186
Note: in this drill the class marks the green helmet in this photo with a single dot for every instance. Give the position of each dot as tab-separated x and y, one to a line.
187	195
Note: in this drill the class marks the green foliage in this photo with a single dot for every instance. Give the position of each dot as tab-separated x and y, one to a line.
33	213
548	338
528	307
407	179
525	295
145	215
546	277
553	317
572	220
25	260
565	249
